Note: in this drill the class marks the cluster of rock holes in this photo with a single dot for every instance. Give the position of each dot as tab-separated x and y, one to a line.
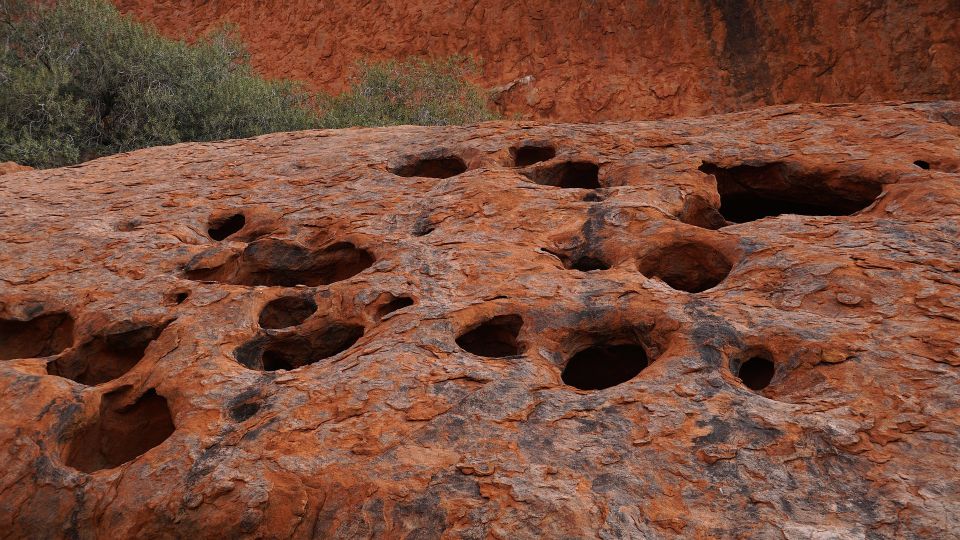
122	431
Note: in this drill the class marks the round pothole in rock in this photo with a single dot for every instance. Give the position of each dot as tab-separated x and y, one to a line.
443	166
107	356
43	335
287	311
604	365
756	372
121	433
752	192
396	303
223	227
687	266
274	262
529	153
293	351
567	174
493	338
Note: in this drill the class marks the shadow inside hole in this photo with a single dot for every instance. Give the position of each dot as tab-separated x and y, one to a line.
433	167
273	262
396	303
298	350
922	164
223	227
567	174
688	266
121	433
528	154
756	372
107	356
752	192
44	335
493	338
603	366
287	311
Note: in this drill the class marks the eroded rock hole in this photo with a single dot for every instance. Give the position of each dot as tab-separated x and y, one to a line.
274	262
106	357
287	311
756	372
688	266
394	304
529	154
438	167
493	338
298	350
922	164
122	432
749	192
45	335
225	227
568	174
587	264
603	365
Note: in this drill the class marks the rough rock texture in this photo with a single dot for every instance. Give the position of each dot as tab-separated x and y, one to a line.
611	59
398	332
10	167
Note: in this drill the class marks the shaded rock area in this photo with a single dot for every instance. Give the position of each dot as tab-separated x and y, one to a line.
608	59
736	326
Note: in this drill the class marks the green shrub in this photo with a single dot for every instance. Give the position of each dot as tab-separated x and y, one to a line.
78	80
415	91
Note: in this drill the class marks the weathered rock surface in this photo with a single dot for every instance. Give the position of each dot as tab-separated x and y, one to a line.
505	330
610	59
10	167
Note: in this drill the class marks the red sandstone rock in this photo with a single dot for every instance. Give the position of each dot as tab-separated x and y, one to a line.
610	60
284	337
7	167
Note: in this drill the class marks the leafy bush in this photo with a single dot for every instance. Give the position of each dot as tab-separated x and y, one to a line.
79	80
415	91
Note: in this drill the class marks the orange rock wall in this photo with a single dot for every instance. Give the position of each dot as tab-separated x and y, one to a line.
610	59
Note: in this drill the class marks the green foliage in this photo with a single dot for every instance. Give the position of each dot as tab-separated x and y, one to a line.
79	80
415	91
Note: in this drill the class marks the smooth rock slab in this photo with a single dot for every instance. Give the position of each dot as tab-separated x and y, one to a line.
789	376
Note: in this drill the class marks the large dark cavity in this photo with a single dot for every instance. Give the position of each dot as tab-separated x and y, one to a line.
274	262
751	192
224	227
604	365
106	357
121	433
686	266
298	350
433	167
567	174
493	338
528	154
287	311
756	372
44	335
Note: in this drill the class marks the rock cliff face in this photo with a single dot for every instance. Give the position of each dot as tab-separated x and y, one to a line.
735	326
590	61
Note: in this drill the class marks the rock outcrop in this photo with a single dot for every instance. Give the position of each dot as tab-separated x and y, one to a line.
11	167
610	60
736	326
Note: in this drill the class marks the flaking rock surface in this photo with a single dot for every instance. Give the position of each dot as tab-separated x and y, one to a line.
609	59
735	326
